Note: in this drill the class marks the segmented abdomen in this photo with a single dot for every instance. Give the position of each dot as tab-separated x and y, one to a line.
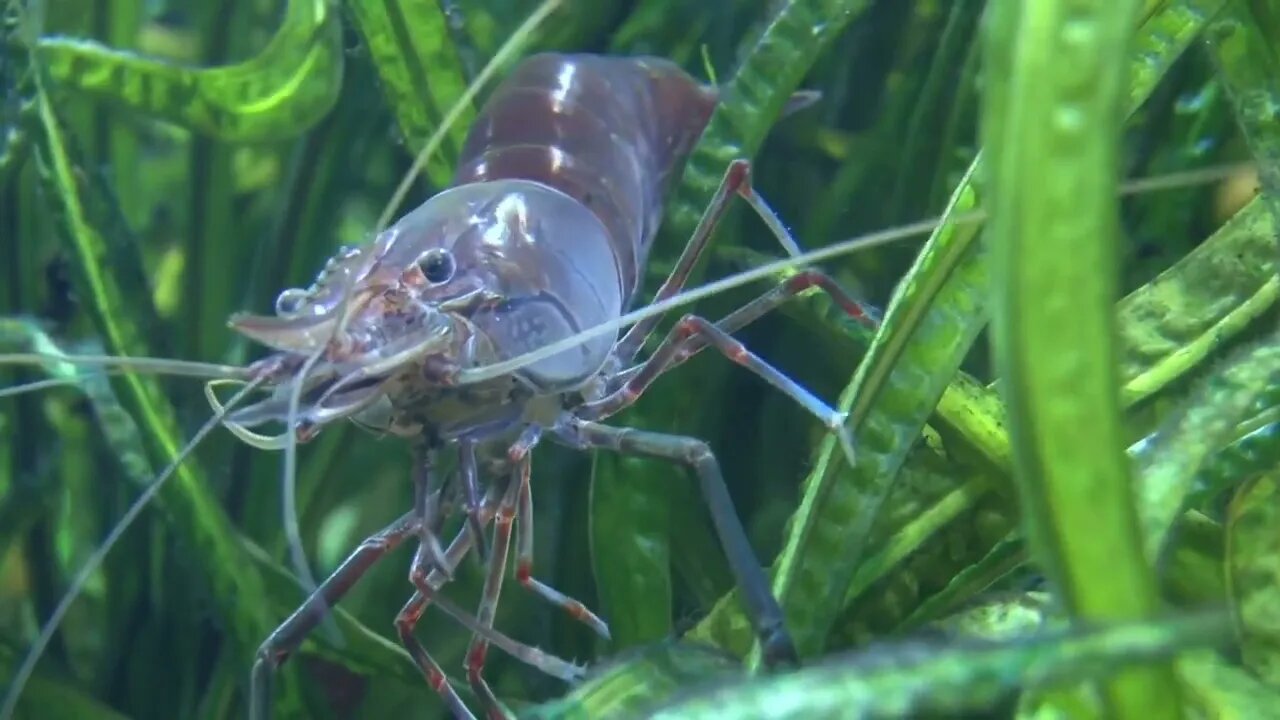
607	131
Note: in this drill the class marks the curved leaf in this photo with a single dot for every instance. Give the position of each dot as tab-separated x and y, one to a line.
279	93
1224	691
630	525
1177	320
1257	451
632	686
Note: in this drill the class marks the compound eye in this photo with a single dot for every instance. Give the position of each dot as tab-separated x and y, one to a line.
437	266
290	302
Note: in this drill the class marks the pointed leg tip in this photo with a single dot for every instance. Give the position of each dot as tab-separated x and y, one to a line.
779	652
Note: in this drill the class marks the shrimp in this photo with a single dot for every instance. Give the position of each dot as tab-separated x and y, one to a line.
545	232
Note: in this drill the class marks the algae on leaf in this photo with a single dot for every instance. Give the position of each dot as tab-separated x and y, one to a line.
1253	574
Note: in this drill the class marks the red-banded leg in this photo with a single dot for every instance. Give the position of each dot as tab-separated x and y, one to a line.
692	334
497	566
428	582
516	505
519	456
286	638
736	181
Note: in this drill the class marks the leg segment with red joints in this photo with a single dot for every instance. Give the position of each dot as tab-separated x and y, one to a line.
497	565
428	586
519	456
736	181
793	287
289	636
693	334
692	327
406	621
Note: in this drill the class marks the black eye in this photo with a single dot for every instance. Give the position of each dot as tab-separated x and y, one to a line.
291	301
436	266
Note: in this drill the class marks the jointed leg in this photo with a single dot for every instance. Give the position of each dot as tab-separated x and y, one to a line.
406	620
286	638
426	506
427	584
497	567
762	607
792	287
471	486
692	334
519	455
428	581
737	180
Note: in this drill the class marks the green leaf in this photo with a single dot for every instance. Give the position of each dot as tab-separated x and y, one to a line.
197	515
1055	90
926	680
630	548
1249	62
635	684
1256	451
1003	618
1253	573
278	93
1224	691
21	335
422	75
1171	458
1172	324
1001	559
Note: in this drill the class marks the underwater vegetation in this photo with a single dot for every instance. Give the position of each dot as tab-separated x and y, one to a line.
1064	499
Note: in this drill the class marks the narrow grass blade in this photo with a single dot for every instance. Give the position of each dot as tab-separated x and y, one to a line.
197	515
1056	77
422	75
